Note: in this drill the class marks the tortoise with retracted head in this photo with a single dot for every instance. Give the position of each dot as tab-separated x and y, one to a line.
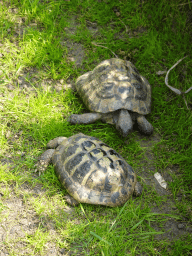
116	93
90	170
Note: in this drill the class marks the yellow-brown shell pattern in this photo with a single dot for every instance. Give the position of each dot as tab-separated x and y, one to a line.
115	84
92	172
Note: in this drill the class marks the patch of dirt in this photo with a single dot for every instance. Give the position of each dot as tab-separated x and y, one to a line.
173	228
19	221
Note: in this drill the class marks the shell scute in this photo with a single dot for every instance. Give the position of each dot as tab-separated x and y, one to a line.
115	197
70	151
81	171
72	163
87	145
124	191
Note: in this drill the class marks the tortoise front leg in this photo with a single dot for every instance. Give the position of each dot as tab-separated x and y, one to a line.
87	118
44	160
144	126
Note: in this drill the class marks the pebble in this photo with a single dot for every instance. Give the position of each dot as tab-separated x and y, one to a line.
181	226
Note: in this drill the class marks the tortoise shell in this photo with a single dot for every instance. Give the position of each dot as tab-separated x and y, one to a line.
92	172
115	84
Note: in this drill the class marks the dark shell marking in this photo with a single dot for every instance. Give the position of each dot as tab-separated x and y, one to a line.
92	172
115	84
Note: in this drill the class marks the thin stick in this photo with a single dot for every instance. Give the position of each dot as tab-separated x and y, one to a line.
184	3
104	47
167	75
126	29
174	89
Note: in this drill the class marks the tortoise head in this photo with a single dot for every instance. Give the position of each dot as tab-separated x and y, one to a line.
124	122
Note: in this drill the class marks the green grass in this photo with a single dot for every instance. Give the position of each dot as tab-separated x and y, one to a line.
154	35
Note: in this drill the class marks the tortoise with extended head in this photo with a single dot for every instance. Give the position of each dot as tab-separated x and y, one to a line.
116	93
90	170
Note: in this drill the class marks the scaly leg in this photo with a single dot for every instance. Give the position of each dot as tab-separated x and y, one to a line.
87	118
144	126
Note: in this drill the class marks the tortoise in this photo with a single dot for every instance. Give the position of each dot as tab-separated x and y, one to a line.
117	94
90	170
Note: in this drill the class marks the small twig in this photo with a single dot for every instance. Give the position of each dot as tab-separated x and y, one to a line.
126	29
92	23
105	48
166	78
184	3
188	90
185	102
174	89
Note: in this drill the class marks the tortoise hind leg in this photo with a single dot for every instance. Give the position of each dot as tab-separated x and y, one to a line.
70	200
138	189
144	126
87	118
